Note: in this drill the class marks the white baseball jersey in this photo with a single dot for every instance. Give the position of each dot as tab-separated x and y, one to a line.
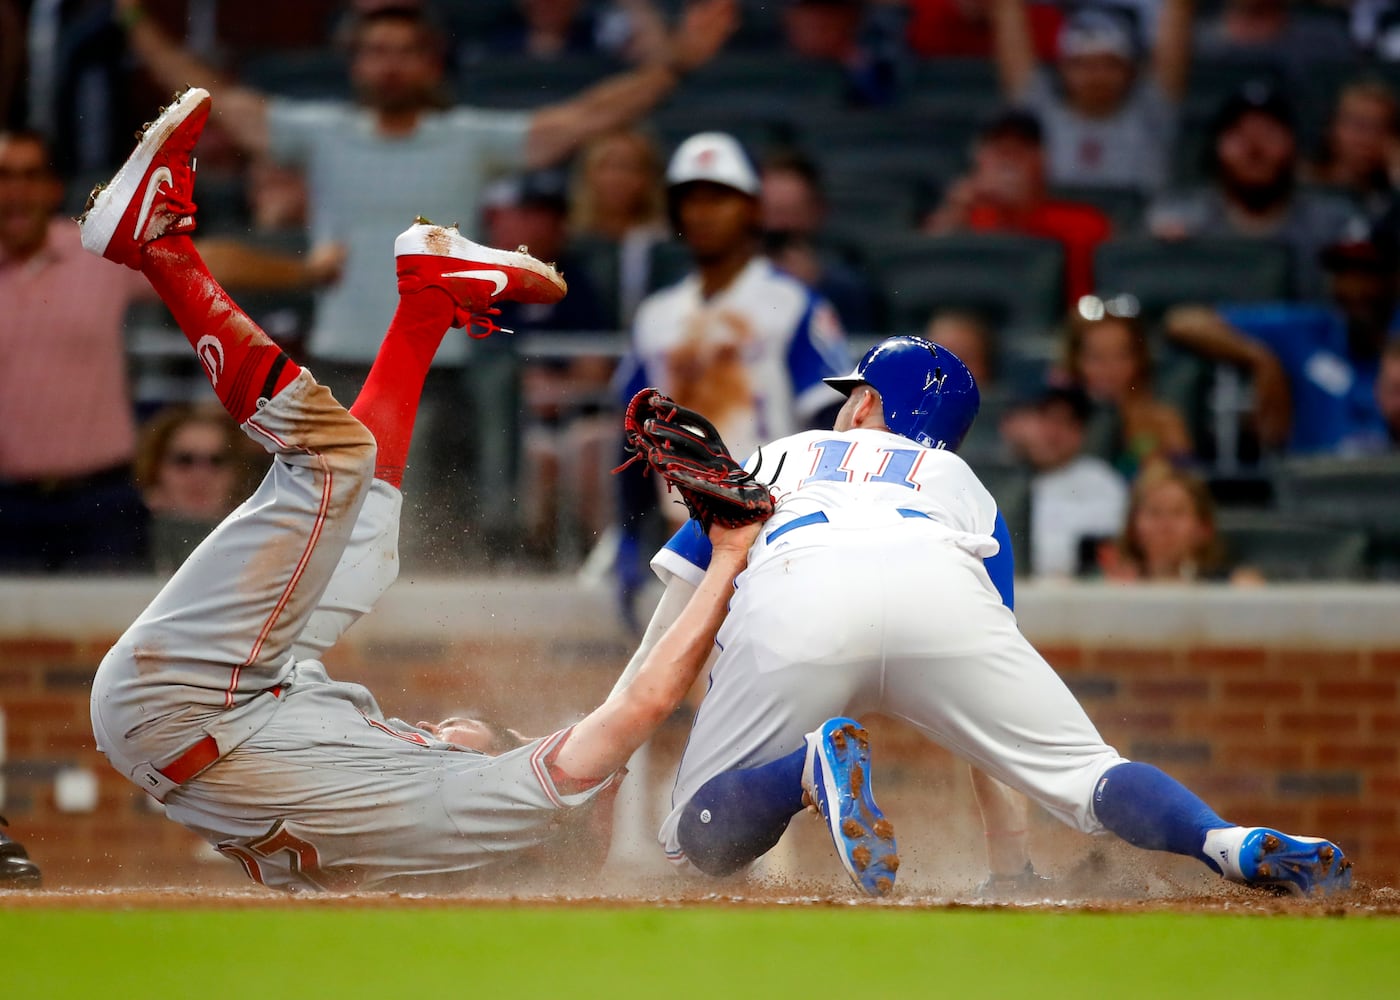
215	703
867	591
751	358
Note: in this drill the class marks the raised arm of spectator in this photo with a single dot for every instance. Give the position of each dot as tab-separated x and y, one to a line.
1013	46
559	129
240	110
1204	331
237	265
1171	59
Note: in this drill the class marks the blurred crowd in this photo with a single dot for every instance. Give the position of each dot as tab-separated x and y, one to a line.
1163	234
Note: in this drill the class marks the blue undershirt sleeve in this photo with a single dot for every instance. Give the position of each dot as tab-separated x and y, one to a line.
1002	566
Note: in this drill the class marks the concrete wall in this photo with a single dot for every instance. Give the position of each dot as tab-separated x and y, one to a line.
1279	705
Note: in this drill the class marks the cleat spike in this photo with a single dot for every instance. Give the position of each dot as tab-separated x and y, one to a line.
837	777
860	857
884	886
883	829
852	828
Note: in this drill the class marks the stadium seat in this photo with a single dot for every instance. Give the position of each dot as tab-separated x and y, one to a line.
774	80
310	74
670	262
1010	484
1165	273
531	83
1351	493
1288	549
1015	281
599	257
1124	206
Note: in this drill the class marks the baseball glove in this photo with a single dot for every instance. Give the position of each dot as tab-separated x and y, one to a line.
685	449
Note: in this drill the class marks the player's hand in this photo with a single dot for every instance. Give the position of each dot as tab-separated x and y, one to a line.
326	262
702	32
734	541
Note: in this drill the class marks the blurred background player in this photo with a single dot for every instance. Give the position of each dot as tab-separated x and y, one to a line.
736	339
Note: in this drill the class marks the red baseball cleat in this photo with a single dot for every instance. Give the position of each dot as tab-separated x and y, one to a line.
152	195
430	256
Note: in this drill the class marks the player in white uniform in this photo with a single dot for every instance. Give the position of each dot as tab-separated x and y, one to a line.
214	700
883	583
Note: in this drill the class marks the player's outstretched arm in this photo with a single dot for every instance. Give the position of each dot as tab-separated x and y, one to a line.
611	733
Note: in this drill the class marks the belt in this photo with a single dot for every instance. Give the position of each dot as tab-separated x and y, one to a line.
197	757
819	517
192	761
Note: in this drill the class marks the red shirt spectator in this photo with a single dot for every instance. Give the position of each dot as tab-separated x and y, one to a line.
1005	191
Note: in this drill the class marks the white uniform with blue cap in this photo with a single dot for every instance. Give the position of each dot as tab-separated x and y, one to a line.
868	592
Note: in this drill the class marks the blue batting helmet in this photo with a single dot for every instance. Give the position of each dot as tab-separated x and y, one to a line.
927	393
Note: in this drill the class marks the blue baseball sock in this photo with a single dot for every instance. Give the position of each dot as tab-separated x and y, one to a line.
738	816
1148	808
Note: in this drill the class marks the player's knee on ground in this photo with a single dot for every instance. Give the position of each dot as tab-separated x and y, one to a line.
720	836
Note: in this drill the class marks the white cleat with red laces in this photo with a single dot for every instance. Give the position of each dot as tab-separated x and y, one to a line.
152	195
430	256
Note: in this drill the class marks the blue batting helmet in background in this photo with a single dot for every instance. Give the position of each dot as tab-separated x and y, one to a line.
927	393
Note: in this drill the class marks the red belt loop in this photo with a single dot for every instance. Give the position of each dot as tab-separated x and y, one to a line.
192	761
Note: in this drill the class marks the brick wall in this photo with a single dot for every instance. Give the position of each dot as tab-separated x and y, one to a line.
1271	716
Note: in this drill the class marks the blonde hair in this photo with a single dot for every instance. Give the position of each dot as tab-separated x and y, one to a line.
583	217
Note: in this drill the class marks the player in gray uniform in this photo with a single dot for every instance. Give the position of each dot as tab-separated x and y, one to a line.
214	700
883	582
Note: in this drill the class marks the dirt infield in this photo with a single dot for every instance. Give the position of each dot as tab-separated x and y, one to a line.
1100	884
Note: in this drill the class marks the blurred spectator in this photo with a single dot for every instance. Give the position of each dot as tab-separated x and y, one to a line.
1107	354
1375	28
1076	499
533	210
618	197
963	28
67	435
1360	153
866	39
1169	535
1107	123
192	467
1269	29
1252	160
396	154
1377	441
1006	192
968	336
1313	366
554	29
793	215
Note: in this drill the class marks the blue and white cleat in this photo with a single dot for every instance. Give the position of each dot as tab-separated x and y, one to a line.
836	779
1301	866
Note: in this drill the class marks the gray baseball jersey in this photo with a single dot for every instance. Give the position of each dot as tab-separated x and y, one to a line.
214	703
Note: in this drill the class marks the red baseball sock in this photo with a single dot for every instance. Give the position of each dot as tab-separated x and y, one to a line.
388	403
242	362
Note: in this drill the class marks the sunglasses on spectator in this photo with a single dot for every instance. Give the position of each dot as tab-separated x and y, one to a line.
1094	308
190	459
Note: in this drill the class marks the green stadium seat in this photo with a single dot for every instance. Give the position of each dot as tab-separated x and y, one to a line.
1125	207
1351	493
531	83
312	74
670	262
1165	273
1288	549
1015	281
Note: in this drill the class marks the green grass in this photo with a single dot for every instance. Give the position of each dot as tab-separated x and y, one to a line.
856	953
